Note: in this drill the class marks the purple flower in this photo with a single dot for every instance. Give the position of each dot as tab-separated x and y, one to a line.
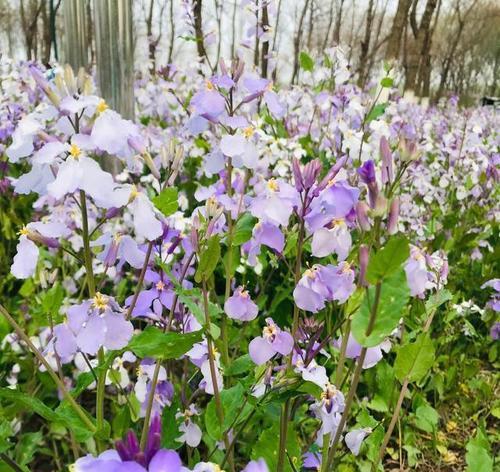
416	272
26	258
256	466
495	331
334	202
151	302
329	410
128	456
119	247
354	439
264	234
240	306
273	341
320	284
91	325
367	172
274	202
373	354
334	239
208	103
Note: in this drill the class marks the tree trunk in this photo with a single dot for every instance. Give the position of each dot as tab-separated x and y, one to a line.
115	58
76	52
398	26
417	50
365	45
265	44
296	42
172	33
338	23
198	30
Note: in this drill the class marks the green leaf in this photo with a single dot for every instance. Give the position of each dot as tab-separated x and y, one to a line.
478	455
208	259
393	298
388	259
70	419
232	402
52	300
153	342
167	201
306	61
6	432
239	366
26	447
243	229
426	418
414	359
170	426
437	299
387	82
266	447
29	403
376	112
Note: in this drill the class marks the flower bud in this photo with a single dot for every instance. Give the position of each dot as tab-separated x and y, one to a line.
362	216
392	222
69	79
364	256
380	207
408	150
386	155
151	165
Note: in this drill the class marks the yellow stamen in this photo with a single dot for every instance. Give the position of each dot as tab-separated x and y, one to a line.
23	231
133	192
101	106
209	85
248	132
273	185
160	285
75	151
100	301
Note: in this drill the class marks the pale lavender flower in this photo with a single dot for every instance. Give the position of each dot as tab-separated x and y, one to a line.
240	306
273	341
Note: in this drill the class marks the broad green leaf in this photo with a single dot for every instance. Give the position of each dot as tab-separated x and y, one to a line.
153	342
393	298
28	403
387	82
167	201
208	259
52	300
232	401
414	359
6	432
376	112
239	366
306	61
27	446
266	448
437	299
426	418
170	425
82	433
243	230
478	456
388	259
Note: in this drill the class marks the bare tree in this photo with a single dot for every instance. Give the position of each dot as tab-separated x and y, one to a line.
265	43
398	26
338	23
365	45
29	21
297	41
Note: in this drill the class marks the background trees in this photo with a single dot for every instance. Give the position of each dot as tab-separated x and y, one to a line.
440	46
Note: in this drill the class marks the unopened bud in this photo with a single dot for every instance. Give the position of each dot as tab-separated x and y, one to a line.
364	256
69	78
408	150
151	165
386	156
392	222
362	216
380	207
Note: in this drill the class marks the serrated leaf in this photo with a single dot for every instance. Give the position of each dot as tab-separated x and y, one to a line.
306	61
208	259
167	201
414	359
153	342
243	229
393	298
388	259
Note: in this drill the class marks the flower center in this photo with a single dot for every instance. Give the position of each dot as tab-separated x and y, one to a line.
24	231
209	85
248	132
75	151
101	106
273	185
160	286
100	301
133	192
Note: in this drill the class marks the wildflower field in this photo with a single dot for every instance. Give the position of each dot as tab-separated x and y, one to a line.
246	275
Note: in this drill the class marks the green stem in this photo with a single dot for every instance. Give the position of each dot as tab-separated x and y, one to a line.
86	245
324	452
355	379
283	435
343	349
213	372
72	402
